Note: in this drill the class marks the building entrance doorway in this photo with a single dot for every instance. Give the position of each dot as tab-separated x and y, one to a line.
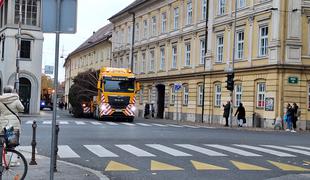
25	93
160	101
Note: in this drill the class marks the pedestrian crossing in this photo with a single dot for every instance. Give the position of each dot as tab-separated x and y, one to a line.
138	124
182	150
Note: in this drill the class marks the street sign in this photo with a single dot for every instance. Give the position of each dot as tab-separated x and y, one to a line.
293	80
68	16
48	69
177	86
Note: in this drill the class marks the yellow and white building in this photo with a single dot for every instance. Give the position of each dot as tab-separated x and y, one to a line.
272	56
93	54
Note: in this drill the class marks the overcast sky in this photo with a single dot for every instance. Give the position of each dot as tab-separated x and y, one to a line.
92	15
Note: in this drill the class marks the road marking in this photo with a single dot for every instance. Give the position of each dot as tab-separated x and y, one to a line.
168	150
301	147
233	150
160	125
173	125
159	166
63	122
288	149
128	124
248	167
80	123
204	166
269	151
111	123
135	151
143	124
47	122
100	151
65	151
188	126
29	122
116	166
96	123
288	167
201	150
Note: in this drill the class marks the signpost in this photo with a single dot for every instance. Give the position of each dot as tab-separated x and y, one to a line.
58	16
177	87
48	69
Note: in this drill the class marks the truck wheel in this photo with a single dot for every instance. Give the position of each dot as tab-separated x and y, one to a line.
130	119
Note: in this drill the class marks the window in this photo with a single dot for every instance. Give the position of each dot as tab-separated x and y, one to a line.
174	57
219	48
221	7
25	49
200	94
263	41
189	14
143	70
150	94
153	29
135	64
241	4
202	51
176	18
240	45
238	94
129	35
152	60
218	95
141	95
172	95
29	12
204	9
137	32
162	58
145	24
185	95
122	37
121	62
187	54
163	22
261	90
309	96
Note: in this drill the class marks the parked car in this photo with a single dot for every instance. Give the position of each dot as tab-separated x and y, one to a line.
46	104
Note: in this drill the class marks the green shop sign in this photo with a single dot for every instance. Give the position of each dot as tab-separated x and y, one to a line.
293	80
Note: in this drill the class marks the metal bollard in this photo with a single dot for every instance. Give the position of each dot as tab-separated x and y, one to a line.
33	144
56	147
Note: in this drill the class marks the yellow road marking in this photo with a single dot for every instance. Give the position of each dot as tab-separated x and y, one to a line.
159	166
249	167
116	166
288	167
204	166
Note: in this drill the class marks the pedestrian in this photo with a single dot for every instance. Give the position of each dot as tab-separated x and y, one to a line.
296	114
226	112
66	105
10	105
241	115
289	117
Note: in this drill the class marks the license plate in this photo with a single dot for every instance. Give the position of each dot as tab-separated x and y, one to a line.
118	110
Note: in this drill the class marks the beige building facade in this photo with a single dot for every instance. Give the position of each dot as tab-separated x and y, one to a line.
93	54
271	63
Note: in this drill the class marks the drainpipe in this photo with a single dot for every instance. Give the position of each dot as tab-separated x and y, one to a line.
132	39
204	63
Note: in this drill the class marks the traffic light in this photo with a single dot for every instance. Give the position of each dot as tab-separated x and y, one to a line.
230	81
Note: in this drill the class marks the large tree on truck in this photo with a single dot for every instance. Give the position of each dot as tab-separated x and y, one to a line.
116	97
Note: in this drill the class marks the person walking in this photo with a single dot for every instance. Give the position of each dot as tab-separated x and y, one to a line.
296	114
289	117
226	112
10	105
241	115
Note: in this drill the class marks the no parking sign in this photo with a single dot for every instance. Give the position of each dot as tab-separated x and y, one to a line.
177	86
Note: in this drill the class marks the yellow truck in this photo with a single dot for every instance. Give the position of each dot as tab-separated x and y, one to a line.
117	89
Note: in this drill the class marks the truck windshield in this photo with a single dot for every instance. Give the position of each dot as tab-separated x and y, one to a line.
117	85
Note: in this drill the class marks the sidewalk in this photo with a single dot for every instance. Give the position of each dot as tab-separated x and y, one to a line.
65	170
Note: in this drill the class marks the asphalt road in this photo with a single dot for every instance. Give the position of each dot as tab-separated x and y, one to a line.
146	150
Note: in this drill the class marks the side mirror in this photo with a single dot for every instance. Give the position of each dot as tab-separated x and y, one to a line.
138	87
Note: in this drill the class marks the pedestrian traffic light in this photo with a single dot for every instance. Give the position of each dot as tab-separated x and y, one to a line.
230	81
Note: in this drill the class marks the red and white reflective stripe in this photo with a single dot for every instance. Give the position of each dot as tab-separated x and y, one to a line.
107	109
86	110
128	111
102	98
134	100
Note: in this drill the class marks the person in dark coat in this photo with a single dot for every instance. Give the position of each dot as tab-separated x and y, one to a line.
289	117
295	116
226	112
241	115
